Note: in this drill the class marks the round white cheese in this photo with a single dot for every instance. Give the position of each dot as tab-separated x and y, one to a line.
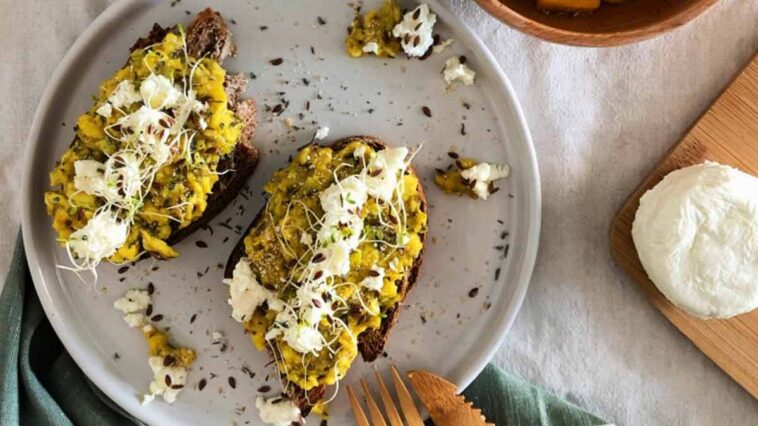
696	234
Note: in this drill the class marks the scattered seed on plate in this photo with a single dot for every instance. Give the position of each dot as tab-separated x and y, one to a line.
264	389
233	382
473	292
247	371
123	269
201	385
427	112
321	21
201	244
150	288
156	318
453	155
276	61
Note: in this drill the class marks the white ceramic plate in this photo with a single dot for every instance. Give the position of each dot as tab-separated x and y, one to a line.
442	328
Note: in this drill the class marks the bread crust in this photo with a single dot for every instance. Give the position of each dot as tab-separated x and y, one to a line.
371	343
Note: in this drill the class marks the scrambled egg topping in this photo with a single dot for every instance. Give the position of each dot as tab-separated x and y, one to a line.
372	32
176	193
450	181
158	345
284	236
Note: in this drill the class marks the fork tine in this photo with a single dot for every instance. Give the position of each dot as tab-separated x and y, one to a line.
373	410
360	416
389	405
406	400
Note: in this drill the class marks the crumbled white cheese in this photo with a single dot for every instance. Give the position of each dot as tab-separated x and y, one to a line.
457	71
134	300
336	260
133	304
383	172
415	30
371	47
159	92
103	234
347	194
117	180
321	133
482	174
105	110
277	411
202	123
162	376
124	95
312	304
442	46
375	279
135	320
246	293
89	176
139	121
306	239
304	338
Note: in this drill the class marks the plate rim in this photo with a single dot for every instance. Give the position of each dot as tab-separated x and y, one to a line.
100	375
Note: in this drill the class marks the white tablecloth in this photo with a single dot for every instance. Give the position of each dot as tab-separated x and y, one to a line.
601	118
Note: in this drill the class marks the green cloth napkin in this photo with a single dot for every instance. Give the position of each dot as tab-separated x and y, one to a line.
41	385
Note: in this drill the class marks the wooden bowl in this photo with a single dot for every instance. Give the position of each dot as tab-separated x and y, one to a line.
611	25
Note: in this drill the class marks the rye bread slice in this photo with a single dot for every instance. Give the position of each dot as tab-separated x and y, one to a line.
208	36
371	343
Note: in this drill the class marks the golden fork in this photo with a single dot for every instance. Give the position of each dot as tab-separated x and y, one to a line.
437	394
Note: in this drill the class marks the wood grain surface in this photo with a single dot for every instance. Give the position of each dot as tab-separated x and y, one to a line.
727	133
610	25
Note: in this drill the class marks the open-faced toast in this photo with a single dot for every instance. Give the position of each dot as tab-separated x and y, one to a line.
219	143
371	340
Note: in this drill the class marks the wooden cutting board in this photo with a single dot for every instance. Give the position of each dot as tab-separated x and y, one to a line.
727	133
